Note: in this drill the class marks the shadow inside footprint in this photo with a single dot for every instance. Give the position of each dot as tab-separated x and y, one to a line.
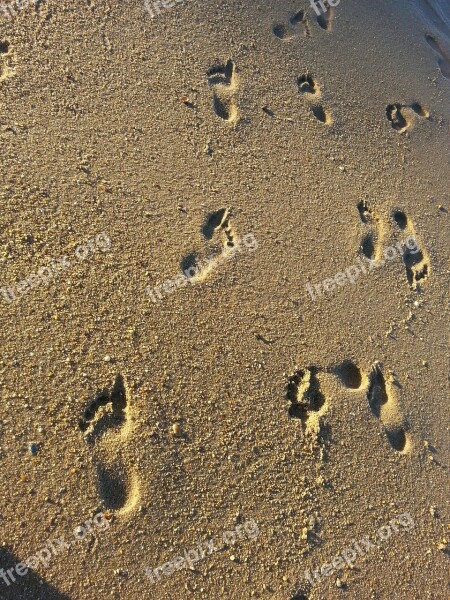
368	246
397	438
112	487
213	222
321	114
349	374
377	394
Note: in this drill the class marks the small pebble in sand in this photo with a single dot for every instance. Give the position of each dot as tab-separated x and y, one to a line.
107	358
176	429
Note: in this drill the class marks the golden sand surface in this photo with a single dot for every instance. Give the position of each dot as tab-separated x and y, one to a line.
224	316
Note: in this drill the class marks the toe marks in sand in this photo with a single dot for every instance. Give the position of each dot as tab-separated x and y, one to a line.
222	79
401	116
106	424
309	89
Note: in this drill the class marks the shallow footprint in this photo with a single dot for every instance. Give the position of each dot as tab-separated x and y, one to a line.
106	426
385	407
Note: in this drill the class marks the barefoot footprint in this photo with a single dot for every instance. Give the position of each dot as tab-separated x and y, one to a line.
309	404
223	81
298	25
309	88
325	12
106	424
371	243
401	116
196	267
415	259
384	406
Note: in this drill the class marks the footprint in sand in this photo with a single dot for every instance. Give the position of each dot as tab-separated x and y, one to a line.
384	406
195	266
325	14
309	88
371	243
297	26
402	116
6	61
106	424
416	259
309	403
223	81
443	58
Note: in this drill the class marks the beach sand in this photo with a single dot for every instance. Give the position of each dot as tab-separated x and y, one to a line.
273	423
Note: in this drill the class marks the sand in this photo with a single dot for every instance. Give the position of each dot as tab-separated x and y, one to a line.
224	307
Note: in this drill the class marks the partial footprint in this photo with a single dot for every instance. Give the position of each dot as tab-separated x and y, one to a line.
310	90
6	66
217	225
308	403
223	80
415	258
324	12
298	25
401	116
384	406
106	424
443	58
